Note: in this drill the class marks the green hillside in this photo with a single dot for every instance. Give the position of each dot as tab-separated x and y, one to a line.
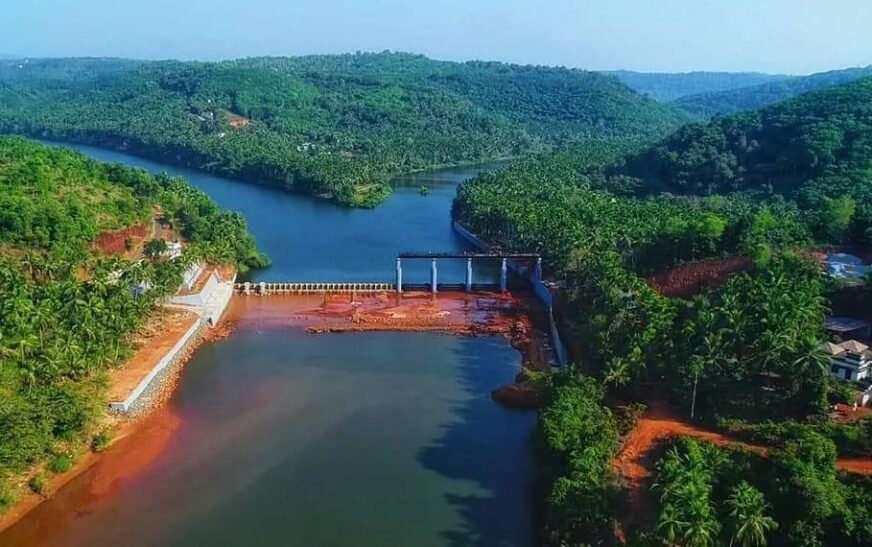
759	96
334	126
740	355
778	148
67	313
670	86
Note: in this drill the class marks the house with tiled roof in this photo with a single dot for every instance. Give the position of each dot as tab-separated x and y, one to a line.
849	360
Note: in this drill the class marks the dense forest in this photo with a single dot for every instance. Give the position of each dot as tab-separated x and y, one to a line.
757	96
671	86
334	126
743	357
67	313
815	149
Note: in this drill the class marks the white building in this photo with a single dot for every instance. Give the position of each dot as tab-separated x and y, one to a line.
174	250
850	360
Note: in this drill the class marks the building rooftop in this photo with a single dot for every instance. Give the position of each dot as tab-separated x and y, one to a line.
854	346
845	324
832	349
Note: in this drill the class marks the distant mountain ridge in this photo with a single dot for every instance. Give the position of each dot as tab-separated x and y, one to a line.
754	97
670	86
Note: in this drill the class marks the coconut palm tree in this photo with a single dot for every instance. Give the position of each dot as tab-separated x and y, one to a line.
750	524
670	523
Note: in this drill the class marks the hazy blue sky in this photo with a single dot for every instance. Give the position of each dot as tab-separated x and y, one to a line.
796	36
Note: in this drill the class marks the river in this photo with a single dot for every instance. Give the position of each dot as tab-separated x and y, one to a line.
284	438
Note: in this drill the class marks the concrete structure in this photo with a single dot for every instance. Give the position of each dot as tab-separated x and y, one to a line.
263	288
434	277
845	327
177	350
399	275
850	360
209	304
540	287
504	276
200	297
174	250
468	275
468	284
189	278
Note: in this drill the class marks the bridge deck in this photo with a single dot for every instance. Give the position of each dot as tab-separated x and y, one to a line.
297	288
513	256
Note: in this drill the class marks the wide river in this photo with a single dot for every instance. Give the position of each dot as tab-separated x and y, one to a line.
284	438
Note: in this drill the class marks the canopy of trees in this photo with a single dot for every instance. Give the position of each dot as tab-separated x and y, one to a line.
67	314
748	350
815	149
335	126
712	496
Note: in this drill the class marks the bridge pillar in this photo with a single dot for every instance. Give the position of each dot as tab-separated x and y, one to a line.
504	276
262	288
246	288
539	269
433	276
468	275
399	276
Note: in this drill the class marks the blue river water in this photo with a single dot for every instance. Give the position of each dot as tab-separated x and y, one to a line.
309	239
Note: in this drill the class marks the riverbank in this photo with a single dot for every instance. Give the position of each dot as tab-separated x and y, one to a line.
150	422
365	196
148	378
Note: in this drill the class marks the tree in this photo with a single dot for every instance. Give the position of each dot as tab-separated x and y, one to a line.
155	248
748	518
836	215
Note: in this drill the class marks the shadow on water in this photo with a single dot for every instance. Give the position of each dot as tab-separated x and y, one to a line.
490	446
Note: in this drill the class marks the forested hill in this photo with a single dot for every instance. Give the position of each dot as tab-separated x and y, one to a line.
815	148
335	126
67	312
671	86
758	96
755	308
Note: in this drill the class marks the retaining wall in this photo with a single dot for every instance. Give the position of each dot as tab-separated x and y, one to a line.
540	289
210	313
168	359
200	298
218	301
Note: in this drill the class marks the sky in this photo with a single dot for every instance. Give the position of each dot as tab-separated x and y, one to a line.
778	36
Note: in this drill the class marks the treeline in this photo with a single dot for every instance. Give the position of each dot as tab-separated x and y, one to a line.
66	313
335	126
577	437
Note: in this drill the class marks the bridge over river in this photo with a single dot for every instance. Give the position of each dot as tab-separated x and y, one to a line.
522	262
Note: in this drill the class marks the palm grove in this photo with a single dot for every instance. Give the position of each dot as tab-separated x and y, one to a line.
67	313
767	185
